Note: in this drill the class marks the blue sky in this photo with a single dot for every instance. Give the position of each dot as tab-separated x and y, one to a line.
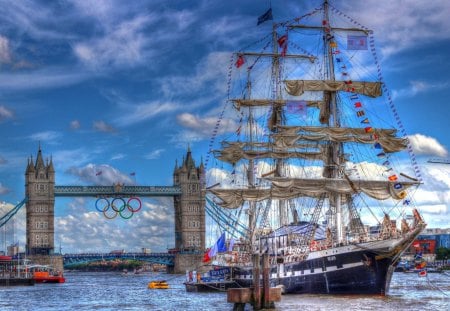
126	86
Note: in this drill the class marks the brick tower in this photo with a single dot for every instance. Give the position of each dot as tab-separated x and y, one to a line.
189	214
39	189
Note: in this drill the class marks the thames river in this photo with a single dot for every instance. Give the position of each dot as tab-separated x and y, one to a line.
113	291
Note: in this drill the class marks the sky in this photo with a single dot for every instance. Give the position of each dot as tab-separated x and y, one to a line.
125	87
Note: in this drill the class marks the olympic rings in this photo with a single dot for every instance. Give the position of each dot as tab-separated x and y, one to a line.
118	207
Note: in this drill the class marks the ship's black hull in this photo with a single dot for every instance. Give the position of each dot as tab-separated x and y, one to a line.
358	272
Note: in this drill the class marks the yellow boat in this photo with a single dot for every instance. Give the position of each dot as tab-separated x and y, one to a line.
158	285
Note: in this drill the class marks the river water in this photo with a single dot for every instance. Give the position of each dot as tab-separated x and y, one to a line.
113	291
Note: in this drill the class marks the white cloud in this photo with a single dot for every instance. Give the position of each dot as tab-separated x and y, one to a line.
49	137
5	113
102	126
75	125
100	174
122	46
426	145
138	113
4	190
5	52
155	154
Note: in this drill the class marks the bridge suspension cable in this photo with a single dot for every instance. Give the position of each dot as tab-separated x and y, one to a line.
5	218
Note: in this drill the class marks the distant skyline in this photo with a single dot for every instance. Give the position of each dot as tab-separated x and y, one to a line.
124	87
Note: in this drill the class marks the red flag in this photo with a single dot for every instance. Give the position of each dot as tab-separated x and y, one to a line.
368	129
282	40
240	61
393	177
358	105
206	256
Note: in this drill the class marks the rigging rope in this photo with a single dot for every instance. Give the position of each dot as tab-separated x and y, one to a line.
5	218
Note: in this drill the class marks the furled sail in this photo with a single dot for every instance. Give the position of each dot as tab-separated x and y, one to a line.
298	87
287	136
320	104
233	152
290	188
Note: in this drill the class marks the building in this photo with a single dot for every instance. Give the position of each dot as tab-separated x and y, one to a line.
189	214
39	190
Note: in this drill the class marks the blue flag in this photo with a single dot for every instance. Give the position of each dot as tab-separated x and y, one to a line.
265	17
221	247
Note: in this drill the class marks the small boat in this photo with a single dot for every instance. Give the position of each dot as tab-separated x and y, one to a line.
46	274
158	285
423	272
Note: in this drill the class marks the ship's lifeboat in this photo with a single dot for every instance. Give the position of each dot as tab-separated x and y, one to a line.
158	285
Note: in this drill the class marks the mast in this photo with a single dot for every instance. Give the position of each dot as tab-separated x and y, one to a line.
278	111
250	170
333	161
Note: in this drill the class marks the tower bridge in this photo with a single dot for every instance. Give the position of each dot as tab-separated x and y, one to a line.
188	201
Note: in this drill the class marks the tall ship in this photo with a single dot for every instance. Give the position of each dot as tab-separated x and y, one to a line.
318	172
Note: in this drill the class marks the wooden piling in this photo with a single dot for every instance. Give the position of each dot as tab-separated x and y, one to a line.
256	280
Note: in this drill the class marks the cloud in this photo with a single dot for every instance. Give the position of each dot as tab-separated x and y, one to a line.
138	113
5	113
5	52
75	124
426	145
118	156
4	190
41	79
416	87
155	154
420	22
100	175
122	46
85	229
46	136
205	126
102	126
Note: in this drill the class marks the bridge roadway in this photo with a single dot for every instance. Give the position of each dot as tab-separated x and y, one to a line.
117	191
159	258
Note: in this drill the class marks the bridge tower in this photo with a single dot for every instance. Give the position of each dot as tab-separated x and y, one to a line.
39	189
189	214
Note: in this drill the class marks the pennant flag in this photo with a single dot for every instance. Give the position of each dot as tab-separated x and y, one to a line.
133	174
386	163
377	145
406	202
366	120
98	173
381	154
354	96
358	105
333	44
338	59
360	113
393	177
296	106
368	129
356	42
398	186
240	61
282	41
265	17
